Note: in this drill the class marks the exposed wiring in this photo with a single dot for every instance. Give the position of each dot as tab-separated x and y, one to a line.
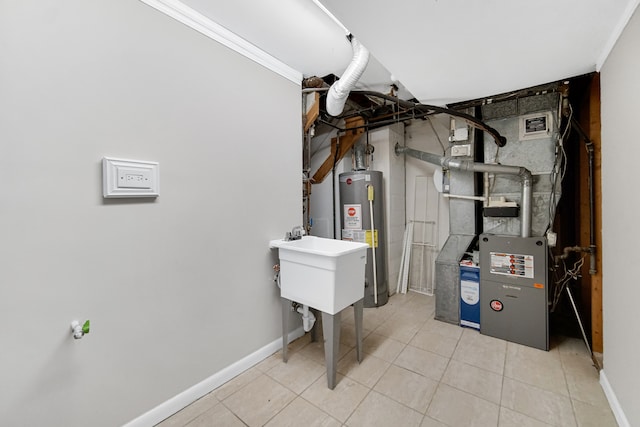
444	150
562	282
559	169
433	109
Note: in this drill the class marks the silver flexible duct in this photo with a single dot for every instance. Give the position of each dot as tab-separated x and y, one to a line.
467	165
339	91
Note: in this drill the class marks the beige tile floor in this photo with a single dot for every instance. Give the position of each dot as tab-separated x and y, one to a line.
416	371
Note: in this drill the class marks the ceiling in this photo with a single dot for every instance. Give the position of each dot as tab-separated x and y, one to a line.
437	51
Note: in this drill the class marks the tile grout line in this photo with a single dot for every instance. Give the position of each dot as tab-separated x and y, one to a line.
426	412
504	370
401	310
392	363
566	382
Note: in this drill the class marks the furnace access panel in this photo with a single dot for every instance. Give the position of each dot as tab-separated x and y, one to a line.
513	289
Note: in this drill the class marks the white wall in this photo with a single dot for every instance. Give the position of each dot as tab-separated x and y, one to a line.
176	289
321	201
392	167
420	136
620	88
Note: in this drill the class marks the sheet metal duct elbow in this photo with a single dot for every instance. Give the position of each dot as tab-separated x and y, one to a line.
522	172
470	166
339	91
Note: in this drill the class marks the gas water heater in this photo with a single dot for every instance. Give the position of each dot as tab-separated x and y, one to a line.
362	219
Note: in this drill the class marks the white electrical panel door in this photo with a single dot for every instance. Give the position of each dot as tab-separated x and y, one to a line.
130	178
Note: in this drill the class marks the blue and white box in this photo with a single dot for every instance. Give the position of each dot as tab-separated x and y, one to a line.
469	295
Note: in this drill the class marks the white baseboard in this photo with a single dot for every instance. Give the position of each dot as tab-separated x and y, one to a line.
178	402
621	418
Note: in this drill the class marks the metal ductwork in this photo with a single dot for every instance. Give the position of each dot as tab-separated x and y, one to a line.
339	91
359	157
467	165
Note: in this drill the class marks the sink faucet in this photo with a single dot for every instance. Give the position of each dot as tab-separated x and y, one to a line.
295	234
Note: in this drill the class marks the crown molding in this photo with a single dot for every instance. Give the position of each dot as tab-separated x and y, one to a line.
617	32
197	21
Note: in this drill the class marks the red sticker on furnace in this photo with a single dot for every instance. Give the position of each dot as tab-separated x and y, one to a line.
349	181
496	305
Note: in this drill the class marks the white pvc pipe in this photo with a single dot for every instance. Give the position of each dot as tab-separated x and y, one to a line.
405	279
373	254
404	252
308	318
486	186
455	196
409	248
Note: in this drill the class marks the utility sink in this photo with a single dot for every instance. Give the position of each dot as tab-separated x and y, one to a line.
325	274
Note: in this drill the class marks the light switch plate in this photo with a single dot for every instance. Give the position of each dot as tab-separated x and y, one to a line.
130	178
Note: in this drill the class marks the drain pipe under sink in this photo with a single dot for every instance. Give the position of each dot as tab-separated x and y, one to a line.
308	318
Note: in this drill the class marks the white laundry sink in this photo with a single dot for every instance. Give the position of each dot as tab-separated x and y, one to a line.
325	274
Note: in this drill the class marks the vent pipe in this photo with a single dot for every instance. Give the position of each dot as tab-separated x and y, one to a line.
339	91
467	165
359	157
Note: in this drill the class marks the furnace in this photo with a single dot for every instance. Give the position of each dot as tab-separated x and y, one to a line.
513	289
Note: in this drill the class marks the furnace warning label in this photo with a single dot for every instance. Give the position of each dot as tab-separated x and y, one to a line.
353	217
512	264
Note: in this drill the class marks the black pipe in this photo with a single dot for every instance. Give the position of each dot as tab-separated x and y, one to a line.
592	225
499	139
592	222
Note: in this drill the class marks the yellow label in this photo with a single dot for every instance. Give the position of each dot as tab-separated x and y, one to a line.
368	238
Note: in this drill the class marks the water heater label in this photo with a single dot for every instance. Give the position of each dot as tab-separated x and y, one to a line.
368	238
353	217
512	264
359	236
